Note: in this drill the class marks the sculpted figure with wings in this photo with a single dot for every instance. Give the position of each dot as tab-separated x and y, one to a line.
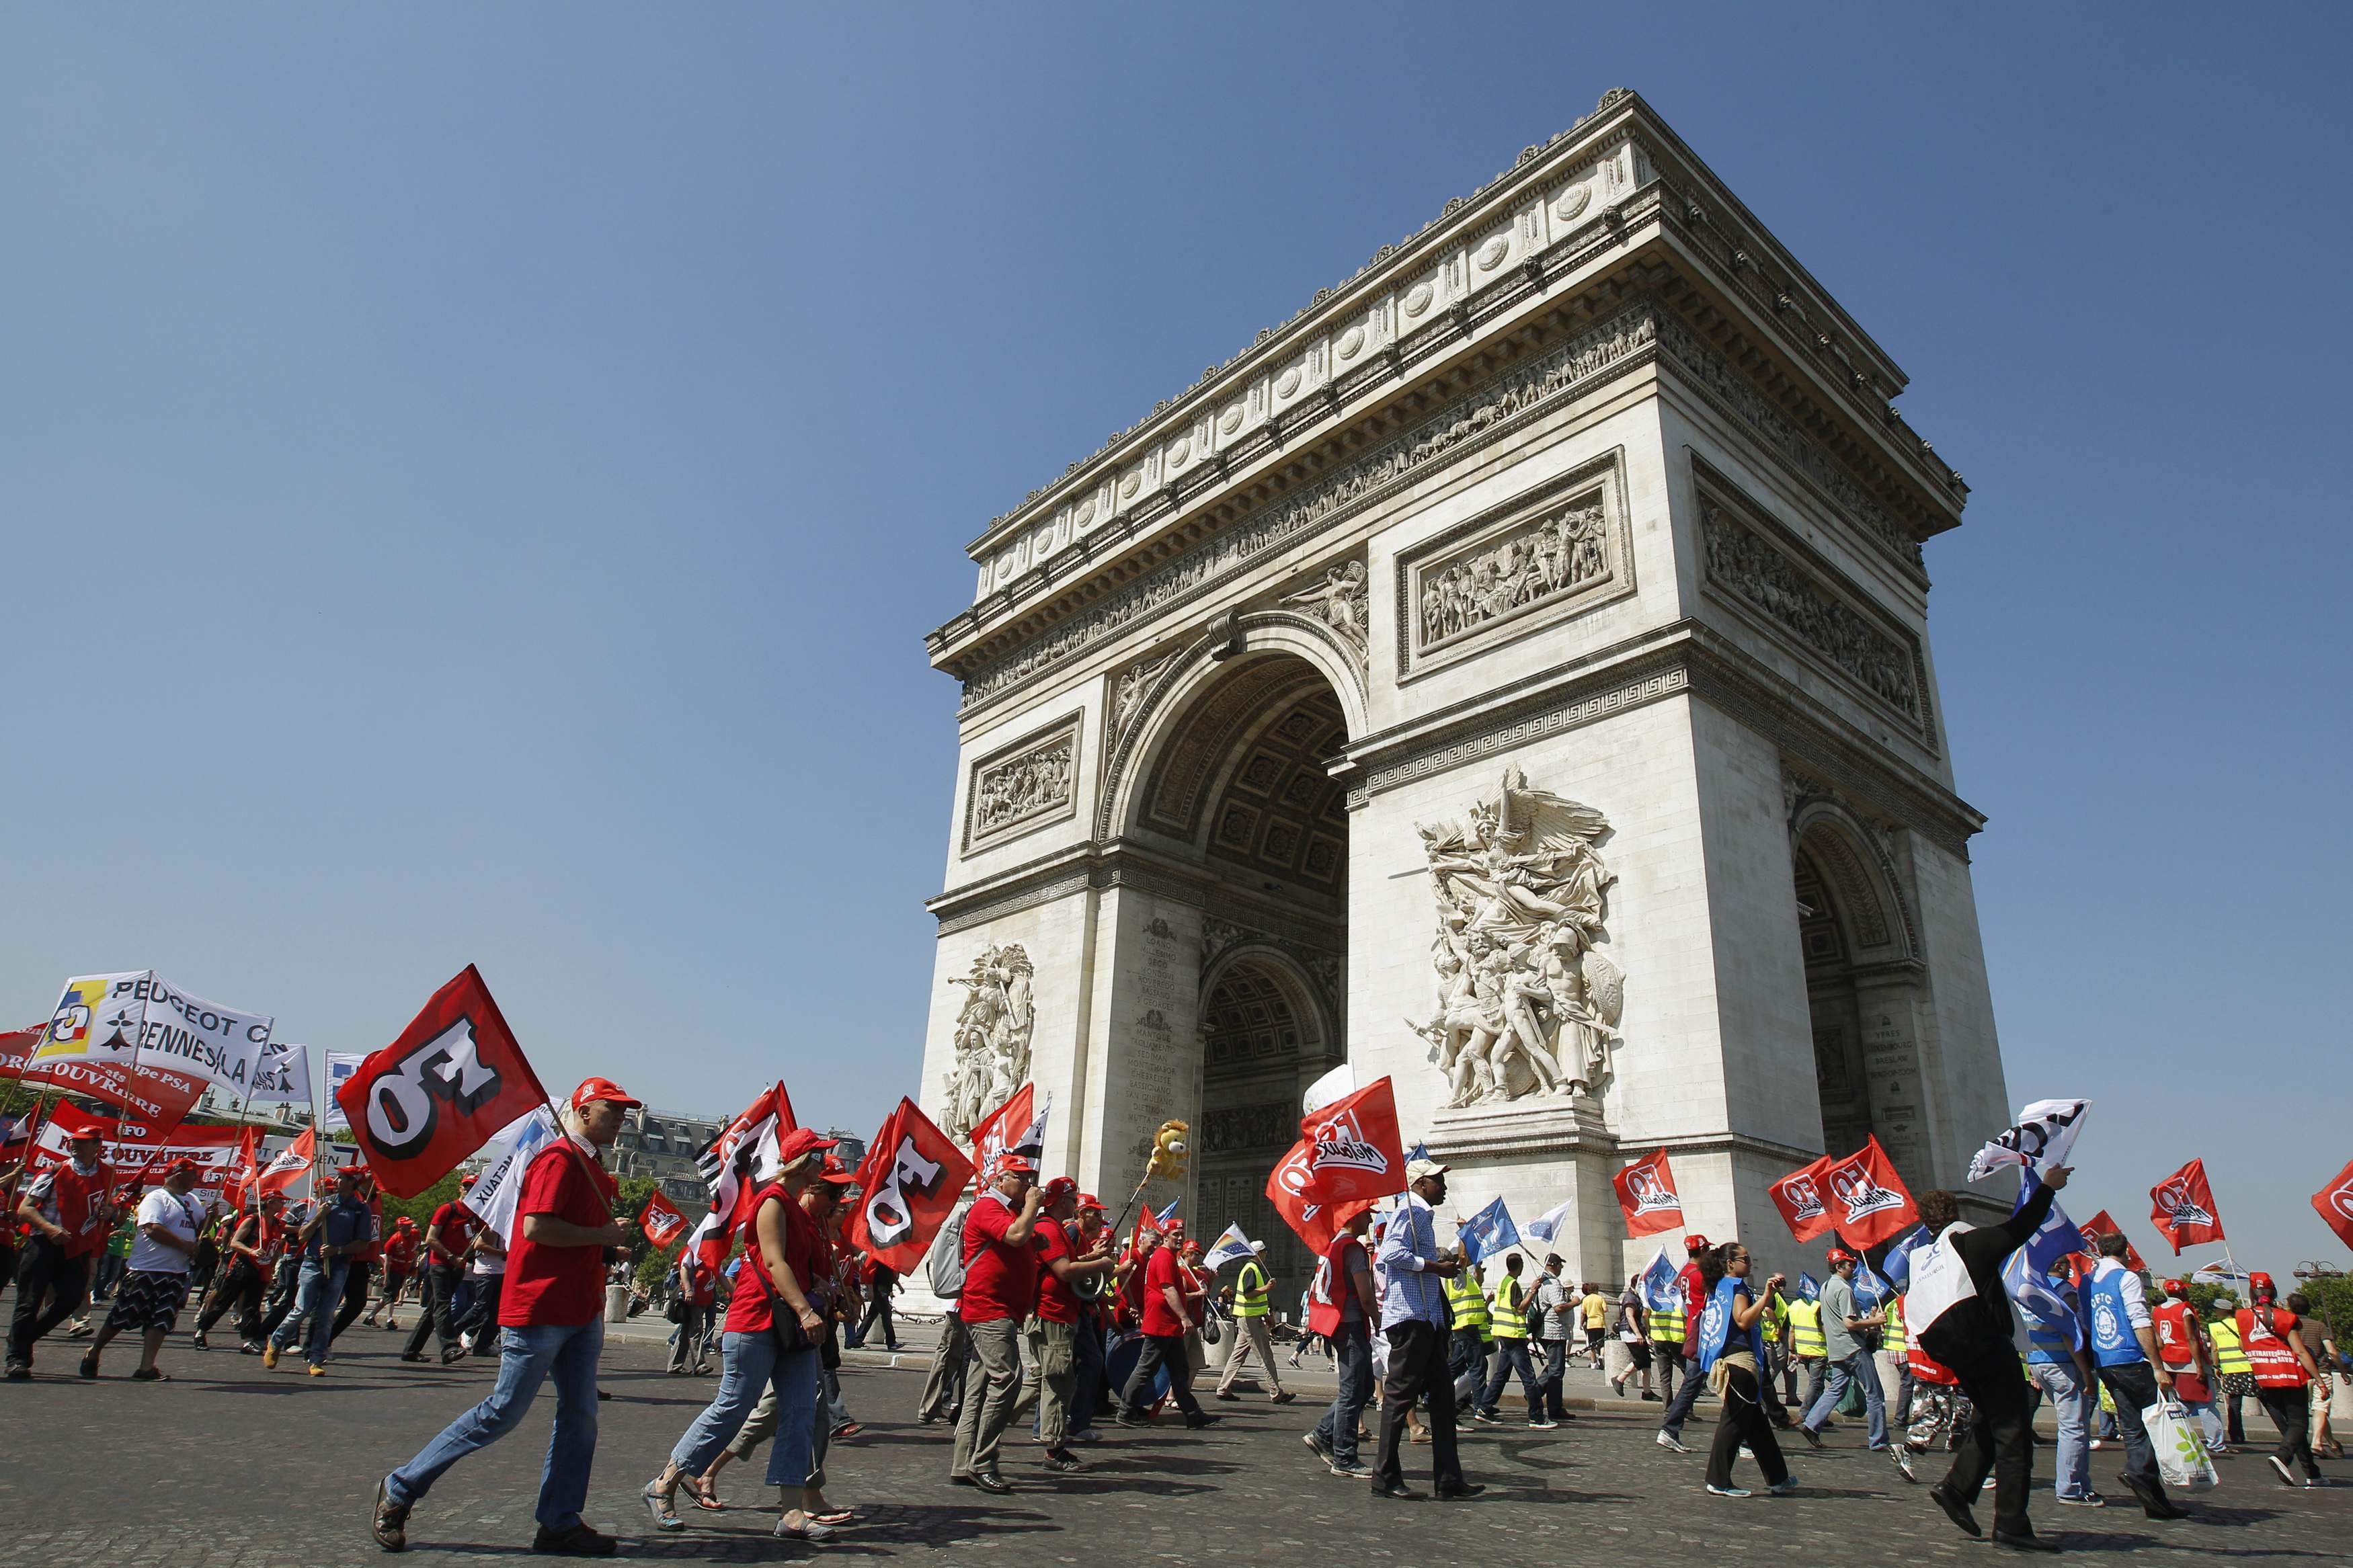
1526	1005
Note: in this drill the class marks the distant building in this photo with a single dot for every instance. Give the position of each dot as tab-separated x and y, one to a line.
662	1144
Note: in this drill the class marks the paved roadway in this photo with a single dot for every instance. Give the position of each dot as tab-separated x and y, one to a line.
229	1466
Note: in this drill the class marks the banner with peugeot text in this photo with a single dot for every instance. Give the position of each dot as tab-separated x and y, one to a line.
158	1095
444	1089
2183	1208
1646	1196
1350	1154
284	1073
137	1017
907	1187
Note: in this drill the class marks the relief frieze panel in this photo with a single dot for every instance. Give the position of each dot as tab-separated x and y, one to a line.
1028	784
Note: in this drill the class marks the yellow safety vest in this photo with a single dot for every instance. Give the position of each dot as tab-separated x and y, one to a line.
2230	1356
1251	1286
1468	1303
1776	1317
1667	1323
1896	1341
1510	1320
1806	1340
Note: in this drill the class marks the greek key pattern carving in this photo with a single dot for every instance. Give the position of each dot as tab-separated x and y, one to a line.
1469	420
1033	781
1570	715
1741	562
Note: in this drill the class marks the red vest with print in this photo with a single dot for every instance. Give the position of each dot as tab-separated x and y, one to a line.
2267	1348
2176	1338
79	1199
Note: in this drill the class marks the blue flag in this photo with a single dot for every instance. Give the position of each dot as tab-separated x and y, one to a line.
1165	1216
1487	1233
2057	1239
1421	1150
1871	1287
1898	1267
1809	1287
1659	1291
2039	1302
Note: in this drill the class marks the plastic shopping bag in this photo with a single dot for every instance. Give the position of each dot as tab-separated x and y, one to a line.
2181	1457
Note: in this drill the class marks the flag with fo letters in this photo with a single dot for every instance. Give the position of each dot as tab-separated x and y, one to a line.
907	1187
434	1096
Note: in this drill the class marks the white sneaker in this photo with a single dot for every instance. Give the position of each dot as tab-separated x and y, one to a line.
1667	1442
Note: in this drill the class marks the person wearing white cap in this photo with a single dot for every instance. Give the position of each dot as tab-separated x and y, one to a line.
1252	1285
1415	1323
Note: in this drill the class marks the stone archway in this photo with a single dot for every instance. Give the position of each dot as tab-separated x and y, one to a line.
1266	1034
1866	990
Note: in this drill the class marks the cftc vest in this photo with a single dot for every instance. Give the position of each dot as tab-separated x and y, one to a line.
1468	1304
1806	1341
1510	1319
2108	1331
1897	1342
1666	1325
1251	1285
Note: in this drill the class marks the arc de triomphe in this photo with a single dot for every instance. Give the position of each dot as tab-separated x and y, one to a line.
1510	674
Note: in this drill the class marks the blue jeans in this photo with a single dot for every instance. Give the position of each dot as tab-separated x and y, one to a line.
527	1357
1679	1404
2070	1401
748	1364
1353	1350
316	1293
1511	1356
1856	1368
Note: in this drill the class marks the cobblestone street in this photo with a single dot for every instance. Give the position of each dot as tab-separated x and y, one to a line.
229	1465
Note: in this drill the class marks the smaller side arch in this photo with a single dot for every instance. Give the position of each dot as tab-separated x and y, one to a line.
1861	878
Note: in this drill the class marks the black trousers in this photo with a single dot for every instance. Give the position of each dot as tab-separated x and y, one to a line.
241	1290
481	1317
44	1271
1744	1422
1999	1442
1159	1350
2291	1411
436	1314
358	1277
1417	1371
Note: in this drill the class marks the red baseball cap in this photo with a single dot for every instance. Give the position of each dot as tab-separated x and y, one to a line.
467	1181
1694	1243
2176	1288
1010	1161
178	1165
1088	1201
1839	1254
595	1089
1060	1187
802	1141
837	1173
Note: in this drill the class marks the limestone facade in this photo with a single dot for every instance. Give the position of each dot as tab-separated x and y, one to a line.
1587	485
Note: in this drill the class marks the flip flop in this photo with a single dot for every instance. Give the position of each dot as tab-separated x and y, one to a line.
846	1431
835	1516
706	1494
151	1375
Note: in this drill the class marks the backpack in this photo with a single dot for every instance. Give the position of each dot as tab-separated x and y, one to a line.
946	1264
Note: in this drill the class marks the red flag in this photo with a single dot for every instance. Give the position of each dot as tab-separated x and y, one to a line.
1002	1129
1350	1153
2100	1224
661	1222
736	1163
2334	1205
2183	1208
1646	1192
907	1187
292	1161
244	1168
1798	1196
1866	1200
439	1093
156	1095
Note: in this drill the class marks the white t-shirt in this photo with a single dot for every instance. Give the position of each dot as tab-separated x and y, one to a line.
180	1216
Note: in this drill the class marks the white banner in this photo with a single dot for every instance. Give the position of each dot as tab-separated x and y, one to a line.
500	1187
139	1016
341	1065
1338	1084
2045	1131
282	1073
1233	1248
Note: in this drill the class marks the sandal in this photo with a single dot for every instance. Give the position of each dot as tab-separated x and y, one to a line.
658	1503
706	1494
846	1431
151	1375
809	1530
89	1368
833	1516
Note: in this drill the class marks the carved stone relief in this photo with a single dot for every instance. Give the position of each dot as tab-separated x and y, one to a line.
1033	781
1340	599
1527	1006
1467	419
992	1037
1127	698
1743	563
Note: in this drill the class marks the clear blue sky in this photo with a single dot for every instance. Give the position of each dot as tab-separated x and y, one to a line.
474	481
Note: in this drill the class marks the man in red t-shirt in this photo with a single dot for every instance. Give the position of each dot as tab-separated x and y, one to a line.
1000	1291
399	1263
70	1211
448	1236
553	1313
1062	1269
1172	1308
